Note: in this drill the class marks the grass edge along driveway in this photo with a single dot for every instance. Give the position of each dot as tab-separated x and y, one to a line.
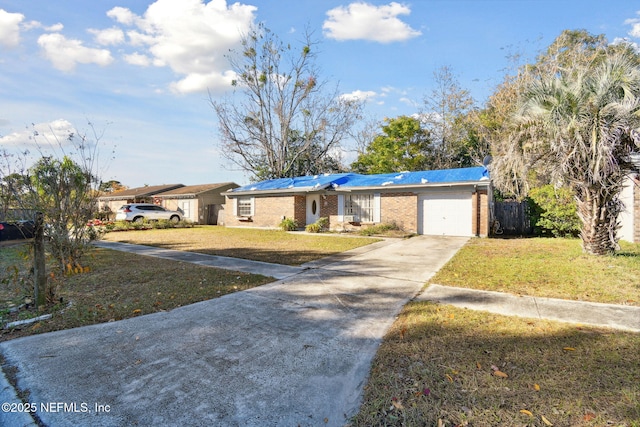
273	246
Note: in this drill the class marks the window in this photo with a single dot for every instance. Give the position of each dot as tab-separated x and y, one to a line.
244	206
360	206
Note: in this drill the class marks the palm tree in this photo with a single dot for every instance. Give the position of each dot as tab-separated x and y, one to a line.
580	123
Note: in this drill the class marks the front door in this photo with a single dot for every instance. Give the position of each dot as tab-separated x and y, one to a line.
313	208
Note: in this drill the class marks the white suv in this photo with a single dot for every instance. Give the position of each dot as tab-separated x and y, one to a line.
138	212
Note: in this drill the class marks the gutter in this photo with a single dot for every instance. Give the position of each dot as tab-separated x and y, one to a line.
348	189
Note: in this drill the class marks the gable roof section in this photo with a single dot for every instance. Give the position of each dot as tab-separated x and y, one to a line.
353	181
195	190
132	193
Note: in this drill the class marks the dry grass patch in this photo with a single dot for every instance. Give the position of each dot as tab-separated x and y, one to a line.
255	244
438	366
554	268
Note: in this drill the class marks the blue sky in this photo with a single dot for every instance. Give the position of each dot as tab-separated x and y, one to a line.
141	71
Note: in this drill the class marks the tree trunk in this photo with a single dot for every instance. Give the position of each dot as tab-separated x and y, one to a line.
598	211
39	268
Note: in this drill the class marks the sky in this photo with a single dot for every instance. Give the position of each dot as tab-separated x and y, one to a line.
140	73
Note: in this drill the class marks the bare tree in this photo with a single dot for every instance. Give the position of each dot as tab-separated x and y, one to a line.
446	116
285	112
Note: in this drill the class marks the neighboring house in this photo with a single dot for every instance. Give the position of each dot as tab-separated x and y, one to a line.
630	216
111	202
202	204
452	202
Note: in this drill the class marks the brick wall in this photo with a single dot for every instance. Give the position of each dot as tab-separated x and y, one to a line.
401	209
480	207
300	209
267	211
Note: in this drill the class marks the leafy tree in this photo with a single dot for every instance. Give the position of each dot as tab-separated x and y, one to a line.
447	117
514	172
285	115
578	123
403	146
62	190
61	184
111	186
553	211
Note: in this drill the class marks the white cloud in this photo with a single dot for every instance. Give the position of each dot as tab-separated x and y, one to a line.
196	82
65	53
42	134
122	15
190	37
364	21
35	24
635	27
138	59
109	36
359	95
10	28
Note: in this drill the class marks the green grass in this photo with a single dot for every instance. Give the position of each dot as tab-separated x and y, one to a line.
436	365
274	246
554	268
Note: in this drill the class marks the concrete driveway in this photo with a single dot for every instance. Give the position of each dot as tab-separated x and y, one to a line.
293	352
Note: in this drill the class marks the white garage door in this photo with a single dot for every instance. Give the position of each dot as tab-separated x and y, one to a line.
445	214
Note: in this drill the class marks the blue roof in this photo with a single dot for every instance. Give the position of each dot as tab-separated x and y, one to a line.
353	180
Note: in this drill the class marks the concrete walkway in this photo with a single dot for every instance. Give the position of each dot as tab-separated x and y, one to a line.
623	317
293	352
236	264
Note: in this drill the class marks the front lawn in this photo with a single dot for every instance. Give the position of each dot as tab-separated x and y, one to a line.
116	285
445	366
554	268
255	244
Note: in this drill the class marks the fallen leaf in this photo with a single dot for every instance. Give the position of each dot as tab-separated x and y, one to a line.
589	416
536	387
137	311
397	404
524	411
449	378
495	368
500	374
478	365
569	349
546	421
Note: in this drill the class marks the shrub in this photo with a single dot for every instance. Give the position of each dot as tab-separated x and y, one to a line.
320	225
553	211
288	224
378	229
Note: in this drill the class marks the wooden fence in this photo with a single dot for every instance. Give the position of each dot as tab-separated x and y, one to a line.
512	219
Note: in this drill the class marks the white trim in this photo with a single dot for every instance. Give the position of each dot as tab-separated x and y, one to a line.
376	207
